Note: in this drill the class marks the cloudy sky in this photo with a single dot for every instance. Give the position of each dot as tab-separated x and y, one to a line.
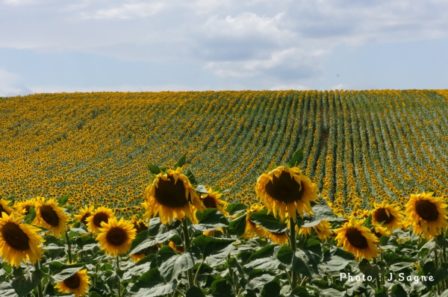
84	45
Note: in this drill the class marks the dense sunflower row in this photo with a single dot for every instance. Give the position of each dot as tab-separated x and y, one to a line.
93	252
360	146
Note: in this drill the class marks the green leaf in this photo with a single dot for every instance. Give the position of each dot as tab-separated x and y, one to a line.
335	264
154	169
191	177
271	289
148	279
152	241
398	291
23	284
66	273
181	162
284	254
368	269
194	292
296	158
300	292
396	267
156	291
300	266
63	200
238	226
212	217
232	208
220	288
171	268
268	221
7	290
209	245
262	252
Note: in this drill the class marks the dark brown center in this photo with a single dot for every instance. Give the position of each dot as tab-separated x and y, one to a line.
382	216
49	215
170	193
73	282
356	239
100	217
427	210
210	202
84	217
116	236
284	188
14	236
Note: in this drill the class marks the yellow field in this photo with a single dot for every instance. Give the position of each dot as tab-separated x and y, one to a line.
359	146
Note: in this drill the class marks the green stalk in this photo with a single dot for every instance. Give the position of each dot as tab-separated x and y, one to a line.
39	284
69	247
118	275
292	241
187	249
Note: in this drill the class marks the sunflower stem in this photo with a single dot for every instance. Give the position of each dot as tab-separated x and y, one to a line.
39	284
292	239
187	249
69	247
118	275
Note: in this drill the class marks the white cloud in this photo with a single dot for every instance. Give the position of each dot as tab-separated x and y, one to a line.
128	10
10	84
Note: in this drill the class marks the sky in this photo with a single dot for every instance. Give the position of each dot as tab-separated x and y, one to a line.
136	45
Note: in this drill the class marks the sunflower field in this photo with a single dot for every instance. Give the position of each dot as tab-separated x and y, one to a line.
360	147
251	193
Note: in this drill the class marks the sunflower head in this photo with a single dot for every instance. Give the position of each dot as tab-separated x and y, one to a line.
427	214
139	224
357	239
98	217
84	214
116	236
50	216
76	284
387	215
19	242
212	199
286	192
24	207
4	207
172	197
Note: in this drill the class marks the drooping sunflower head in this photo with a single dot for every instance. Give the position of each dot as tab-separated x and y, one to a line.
98	217
212	199
116	236
76	284
50	216
387	215
172	197
251	229
357	239
286	192
139	224
427	214
19	242
4	207
84	214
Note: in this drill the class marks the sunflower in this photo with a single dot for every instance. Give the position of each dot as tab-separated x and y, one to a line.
100	215
251	229
84	214
176	248
139	224
286	192
212	199
387	215
357	239
19	242
23	207
380	231
141	254
50	216
77	284
427	214
4	207
172	197
322	230
116	236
